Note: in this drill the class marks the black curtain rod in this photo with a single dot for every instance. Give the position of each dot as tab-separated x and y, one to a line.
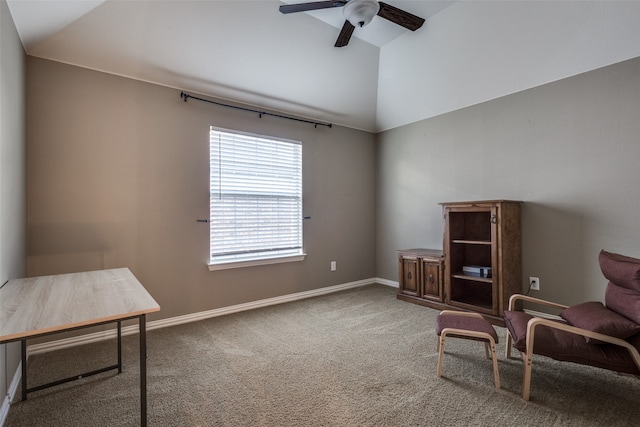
186	96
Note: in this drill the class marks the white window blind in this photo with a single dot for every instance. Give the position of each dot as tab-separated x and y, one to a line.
255	197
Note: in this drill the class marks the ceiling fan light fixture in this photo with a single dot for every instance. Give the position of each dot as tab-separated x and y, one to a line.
360	12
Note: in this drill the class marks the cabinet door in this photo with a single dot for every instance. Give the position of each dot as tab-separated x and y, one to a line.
470	240
409	274
432	286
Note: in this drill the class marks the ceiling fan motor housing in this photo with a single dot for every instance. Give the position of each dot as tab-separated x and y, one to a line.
360	12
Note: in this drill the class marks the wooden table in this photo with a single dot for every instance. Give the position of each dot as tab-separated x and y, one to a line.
39	306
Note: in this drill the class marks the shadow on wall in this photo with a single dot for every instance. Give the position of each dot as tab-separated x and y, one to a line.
553	249
72	247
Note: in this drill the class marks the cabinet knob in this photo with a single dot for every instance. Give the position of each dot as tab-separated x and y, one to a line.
494	219
409	275
431	278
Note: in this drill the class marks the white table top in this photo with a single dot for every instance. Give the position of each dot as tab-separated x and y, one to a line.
39	305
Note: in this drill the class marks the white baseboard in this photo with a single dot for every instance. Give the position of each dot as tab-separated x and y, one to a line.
386	282
11	393
541	314
194	317
173	321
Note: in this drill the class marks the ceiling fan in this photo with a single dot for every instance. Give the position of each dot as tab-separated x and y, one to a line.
359	13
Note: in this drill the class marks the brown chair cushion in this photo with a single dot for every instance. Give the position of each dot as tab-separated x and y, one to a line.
568	347
623	301
621	270
593	316
516	322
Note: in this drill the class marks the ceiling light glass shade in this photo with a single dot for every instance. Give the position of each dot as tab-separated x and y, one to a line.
360	12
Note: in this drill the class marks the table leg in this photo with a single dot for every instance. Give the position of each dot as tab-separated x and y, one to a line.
23	351
119	346
143	370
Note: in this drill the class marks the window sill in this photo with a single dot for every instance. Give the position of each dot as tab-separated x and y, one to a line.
255	262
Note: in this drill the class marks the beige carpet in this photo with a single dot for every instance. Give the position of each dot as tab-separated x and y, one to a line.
354	358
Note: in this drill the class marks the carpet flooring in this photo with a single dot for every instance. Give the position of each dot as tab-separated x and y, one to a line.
354	358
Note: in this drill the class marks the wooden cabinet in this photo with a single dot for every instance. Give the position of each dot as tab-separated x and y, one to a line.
479	236
420	274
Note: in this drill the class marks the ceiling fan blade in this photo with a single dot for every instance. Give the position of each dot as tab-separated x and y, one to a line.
345	34
400	17
304	7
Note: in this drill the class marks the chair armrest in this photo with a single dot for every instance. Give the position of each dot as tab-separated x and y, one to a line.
519	297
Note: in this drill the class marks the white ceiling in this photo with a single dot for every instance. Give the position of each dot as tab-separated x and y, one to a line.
238	50
246	51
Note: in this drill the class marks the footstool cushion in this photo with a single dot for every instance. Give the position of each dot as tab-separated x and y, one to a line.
465	323
470	326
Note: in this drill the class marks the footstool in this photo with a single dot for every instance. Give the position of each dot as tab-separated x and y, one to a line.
470	326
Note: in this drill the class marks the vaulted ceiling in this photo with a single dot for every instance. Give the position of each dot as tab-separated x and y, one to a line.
247	51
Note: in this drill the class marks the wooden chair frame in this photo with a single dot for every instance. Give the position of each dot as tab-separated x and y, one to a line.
527	356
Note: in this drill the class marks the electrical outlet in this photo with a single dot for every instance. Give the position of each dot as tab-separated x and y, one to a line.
534	283
333	266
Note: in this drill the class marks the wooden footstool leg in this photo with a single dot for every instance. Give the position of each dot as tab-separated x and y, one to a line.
440	354
467	326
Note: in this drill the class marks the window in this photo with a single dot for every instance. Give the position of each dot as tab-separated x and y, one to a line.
255	199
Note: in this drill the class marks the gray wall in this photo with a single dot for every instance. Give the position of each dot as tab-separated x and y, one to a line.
12	174
118	175
568	149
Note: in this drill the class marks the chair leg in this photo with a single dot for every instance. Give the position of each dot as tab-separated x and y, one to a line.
526	381
494	356
487	350
440	354
507	350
